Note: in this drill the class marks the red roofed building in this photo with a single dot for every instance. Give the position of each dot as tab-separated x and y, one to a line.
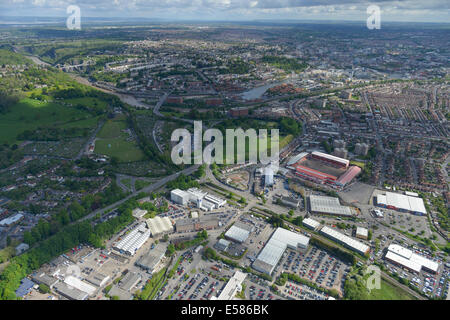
348	176
314	175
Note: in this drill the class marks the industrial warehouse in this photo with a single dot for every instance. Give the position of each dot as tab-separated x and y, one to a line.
346	241
329	205
410	260
311	224
272	252
150	260
201	199
159	226
401	202
238	233
134	240
323	168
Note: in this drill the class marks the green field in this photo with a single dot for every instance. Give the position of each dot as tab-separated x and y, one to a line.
30	114
126	183
357	163
389	292
139	184
113	142
286	140
88	101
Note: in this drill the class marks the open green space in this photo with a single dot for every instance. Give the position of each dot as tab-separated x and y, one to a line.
125	151
92	103
357	163
30	114
112	129
389	292
114	142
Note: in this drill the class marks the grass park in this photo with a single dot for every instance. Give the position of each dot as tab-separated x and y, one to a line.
389	292
30	114
114	142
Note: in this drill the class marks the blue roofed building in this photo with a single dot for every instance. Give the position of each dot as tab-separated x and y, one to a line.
25	287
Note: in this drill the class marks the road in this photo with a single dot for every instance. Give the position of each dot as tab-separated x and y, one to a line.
147	189
91	140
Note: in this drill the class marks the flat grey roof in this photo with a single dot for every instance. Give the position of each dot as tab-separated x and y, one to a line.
330	205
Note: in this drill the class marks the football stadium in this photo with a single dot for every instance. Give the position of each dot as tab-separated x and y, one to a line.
323	168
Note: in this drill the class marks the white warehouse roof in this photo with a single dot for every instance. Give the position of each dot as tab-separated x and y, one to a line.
313	224
362	231
134	240
272	252
80	285
410	259
233	286
216	200
403	202
139	213
158	225
10	220
237	233
329	205
346	240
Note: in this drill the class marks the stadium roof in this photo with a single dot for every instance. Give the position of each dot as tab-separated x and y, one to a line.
348	176
297	158
329	205
330	157
237	233
346	240
314	173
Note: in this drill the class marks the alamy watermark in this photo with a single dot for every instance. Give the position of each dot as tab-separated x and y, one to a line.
74	20
72	271
374	279
374	19
241	146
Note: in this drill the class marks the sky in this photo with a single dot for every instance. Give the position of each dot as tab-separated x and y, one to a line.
235	10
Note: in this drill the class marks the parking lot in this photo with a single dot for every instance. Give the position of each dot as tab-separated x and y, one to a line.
175	213
301	292
432	285
197	286
257	238
317	266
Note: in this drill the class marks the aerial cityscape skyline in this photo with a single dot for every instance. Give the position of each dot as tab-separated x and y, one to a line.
224	154
235	10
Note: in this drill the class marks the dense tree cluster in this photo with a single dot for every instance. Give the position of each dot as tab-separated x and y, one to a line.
74	212
290	126
286	64
66	238
7	100
183	182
